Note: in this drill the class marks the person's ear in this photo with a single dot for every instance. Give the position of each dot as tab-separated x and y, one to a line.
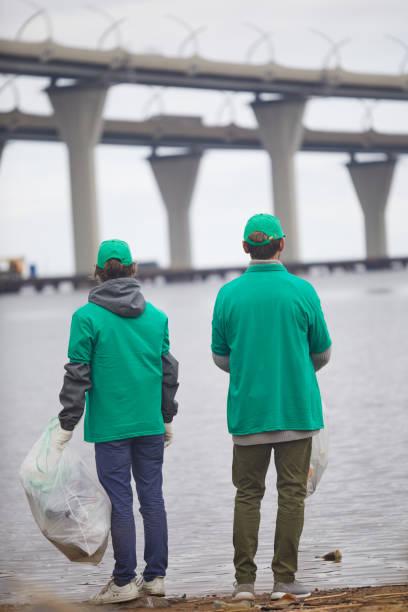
281	245
245	246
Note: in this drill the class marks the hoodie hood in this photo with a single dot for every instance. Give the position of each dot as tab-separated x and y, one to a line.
119	295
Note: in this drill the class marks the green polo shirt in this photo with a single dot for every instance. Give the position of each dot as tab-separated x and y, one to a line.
126	370
269	322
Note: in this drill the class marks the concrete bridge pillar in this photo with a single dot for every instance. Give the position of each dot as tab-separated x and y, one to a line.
372	182
176	176
281	132
78	113
2	147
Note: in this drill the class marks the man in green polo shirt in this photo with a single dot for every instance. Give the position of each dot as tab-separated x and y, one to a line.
269	333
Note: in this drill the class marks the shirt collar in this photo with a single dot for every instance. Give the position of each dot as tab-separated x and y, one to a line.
263	262
265	265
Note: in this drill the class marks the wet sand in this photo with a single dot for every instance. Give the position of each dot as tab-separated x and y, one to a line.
365	599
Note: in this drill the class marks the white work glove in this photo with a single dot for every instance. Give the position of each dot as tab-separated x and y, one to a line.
63	436
168	434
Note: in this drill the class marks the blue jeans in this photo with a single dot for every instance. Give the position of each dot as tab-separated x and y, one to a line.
114	462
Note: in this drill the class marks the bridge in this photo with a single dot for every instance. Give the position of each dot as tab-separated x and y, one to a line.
78	121
188	131
113	66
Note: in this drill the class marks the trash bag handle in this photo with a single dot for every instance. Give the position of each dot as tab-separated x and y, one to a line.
46	443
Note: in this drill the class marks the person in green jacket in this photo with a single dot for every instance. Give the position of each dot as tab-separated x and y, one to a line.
120	364
269	333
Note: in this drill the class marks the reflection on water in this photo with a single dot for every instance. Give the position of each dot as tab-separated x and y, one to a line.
379	290
360	506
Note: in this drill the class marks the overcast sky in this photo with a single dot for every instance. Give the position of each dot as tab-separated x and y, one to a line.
34	184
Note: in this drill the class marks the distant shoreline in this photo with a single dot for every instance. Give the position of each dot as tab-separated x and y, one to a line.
169	275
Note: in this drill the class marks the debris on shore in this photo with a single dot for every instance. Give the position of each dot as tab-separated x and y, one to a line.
363	599
335	556
237	606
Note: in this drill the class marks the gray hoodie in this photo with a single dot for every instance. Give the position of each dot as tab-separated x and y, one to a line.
119	295
123	297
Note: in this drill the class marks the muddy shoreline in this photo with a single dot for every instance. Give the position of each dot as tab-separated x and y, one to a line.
367	599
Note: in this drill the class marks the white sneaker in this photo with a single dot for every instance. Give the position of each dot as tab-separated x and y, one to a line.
153	587
111	593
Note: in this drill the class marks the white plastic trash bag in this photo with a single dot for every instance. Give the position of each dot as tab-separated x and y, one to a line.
320	456
70	507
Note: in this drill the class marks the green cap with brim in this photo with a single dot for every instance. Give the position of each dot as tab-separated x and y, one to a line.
268	224
114	249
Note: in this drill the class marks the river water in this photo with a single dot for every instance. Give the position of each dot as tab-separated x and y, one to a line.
360	506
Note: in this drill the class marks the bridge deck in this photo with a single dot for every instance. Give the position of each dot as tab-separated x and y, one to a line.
165	131
50	59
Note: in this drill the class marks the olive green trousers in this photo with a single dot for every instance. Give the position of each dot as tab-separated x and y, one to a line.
249	467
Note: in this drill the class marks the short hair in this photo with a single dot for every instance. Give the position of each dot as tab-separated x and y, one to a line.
262	251
114	268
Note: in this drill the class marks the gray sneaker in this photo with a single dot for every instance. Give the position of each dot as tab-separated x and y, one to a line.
294	588
243	592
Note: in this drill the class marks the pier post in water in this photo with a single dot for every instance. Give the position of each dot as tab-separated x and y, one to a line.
2	147
78	114
372	182
176	177
281	132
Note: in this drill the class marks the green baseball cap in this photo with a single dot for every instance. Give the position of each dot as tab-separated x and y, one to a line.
114	249
268	224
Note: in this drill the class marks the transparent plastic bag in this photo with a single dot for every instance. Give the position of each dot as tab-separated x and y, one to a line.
320	456
68	504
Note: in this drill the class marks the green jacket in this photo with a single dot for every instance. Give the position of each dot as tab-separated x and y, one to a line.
121	343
